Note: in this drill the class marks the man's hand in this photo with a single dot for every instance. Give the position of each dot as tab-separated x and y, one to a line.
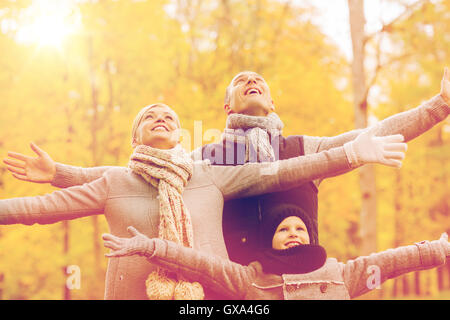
445	86
41	169
367	148
139	244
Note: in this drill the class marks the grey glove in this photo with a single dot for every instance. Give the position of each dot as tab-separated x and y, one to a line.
445	244
442	244
367	148
138	244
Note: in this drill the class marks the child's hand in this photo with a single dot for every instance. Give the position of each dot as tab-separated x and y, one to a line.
139	244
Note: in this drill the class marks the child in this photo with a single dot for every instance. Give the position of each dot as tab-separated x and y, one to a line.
289	267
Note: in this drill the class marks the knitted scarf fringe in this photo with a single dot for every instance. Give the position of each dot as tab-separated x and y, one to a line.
168	171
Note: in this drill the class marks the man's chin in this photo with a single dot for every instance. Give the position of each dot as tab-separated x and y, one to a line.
255	108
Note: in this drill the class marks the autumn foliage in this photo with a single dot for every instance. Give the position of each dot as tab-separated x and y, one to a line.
77	98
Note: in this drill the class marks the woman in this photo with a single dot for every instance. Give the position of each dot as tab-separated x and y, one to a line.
289	267
165	194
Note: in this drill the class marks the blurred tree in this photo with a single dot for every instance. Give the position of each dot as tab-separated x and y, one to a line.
367	173
78	100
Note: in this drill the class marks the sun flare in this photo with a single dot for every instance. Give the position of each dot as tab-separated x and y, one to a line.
48	23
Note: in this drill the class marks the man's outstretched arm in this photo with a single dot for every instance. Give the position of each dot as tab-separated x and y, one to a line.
410	124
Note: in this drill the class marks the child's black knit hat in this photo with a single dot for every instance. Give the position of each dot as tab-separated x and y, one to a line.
299	259
274	216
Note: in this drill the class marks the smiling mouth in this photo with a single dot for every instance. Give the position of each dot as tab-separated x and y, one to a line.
251	91
291	244
160	128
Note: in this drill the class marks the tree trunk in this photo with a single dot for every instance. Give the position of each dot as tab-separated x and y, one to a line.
405	282
94	145
395	287
367	173
440	278
418	290
398	223
447	266
65	224
2	279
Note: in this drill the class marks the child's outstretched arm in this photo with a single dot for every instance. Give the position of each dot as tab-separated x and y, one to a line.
213	272
366	273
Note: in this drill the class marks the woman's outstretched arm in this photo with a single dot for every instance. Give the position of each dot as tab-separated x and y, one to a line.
65	204
43	169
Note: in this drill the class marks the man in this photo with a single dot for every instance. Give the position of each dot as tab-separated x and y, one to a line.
254	134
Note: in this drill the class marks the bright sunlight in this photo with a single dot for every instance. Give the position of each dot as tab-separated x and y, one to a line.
48	22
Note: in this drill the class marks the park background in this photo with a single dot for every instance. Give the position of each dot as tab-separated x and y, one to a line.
73	74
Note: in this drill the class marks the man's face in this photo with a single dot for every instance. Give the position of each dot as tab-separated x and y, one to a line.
290	232
158	128
249	94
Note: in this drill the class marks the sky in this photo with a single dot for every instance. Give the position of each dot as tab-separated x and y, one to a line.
333	18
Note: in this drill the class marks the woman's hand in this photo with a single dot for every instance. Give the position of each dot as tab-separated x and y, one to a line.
40	169
138	244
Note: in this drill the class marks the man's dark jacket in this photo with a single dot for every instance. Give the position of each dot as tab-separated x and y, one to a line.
242	217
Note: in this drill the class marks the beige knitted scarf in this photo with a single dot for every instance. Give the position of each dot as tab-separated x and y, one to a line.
168	171
254	132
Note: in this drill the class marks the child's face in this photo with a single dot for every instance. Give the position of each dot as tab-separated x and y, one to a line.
290	232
